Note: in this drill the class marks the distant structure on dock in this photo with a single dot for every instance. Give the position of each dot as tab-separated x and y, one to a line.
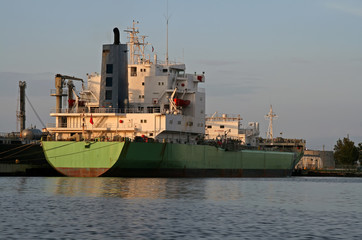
311	160
316	160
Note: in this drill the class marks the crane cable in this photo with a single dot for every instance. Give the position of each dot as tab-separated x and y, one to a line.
25	147
15	148
31	105
8	156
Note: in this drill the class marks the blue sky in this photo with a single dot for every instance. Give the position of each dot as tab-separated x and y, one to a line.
304	57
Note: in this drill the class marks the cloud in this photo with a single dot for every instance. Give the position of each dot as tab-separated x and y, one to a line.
346	9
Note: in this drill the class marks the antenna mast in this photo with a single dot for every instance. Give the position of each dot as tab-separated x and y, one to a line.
167	18
136	44
270	116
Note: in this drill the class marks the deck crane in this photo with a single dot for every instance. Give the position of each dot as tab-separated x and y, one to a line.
60	81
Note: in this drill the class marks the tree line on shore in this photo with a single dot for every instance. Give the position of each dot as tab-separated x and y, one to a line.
346	153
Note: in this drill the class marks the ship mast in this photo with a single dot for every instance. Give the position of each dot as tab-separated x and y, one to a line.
270	116
136	45
167	18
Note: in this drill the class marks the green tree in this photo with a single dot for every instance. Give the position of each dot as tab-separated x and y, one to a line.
345	152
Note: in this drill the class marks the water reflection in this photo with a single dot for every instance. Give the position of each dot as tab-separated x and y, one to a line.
161	208
22	184
169	188
129	188
286	193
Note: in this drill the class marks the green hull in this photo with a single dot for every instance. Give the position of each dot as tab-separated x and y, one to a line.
136	159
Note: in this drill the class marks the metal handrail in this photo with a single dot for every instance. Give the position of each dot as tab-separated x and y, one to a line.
79	126
106	110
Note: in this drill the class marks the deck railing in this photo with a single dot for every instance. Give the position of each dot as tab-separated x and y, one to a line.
87	125
9	135
223	117
107	110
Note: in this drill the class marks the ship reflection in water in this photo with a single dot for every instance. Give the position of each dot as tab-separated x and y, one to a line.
130	188
146	188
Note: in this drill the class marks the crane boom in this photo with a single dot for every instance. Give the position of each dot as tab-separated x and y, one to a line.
68	77
59	83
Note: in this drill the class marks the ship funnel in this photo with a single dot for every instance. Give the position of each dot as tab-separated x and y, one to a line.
115	73
116	36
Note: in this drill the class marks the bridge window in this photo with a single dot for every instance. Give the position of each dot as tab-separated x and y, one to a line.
108	94
108	82
109	68
133	71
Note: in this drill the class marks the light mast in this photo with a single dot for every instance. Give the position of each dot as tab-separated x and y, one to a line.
270	116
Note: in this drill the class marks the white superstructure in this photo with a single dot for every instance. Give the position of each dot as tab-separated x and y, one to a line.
162	101
224	126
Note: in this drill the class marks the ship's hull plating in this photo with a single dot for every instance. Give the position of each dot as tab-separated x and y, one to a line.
18	159
136	159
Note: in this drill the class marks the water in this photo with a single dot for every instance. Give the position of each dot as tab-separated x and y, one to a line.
152	208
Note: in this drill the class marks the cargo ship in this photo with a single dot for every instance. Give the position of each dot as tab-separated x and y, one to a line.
142	117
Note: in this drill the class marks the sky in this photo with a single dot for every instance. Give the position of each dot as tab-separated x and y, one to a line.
304	57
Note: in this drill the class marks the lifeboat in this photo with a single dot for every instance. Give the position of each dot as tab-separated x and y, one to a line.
181	103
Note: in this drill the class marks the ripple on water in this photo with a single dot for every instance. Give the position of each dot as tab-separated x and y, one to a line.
108	208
